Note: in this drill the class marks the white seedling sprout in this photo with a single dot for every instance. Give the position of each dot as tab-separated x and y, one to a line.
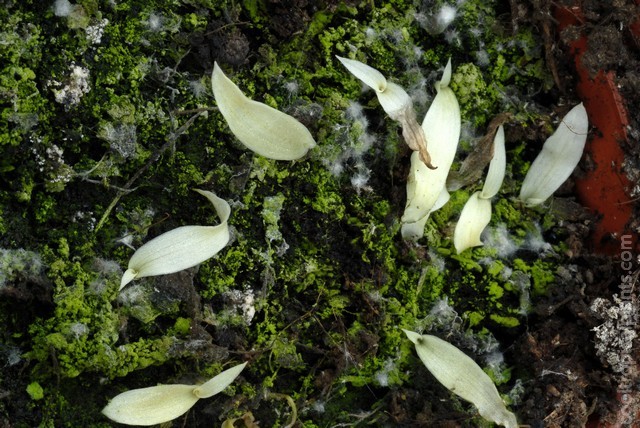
426	188
262	129
162	403
475	216
476	213
396	103
462	376
557	160
180	248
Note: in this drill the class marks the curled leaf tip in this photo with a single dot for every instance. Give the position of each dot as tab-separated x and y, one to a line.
218	383
424	157
368	75
497	166
446	76
415	138
412	335
128	276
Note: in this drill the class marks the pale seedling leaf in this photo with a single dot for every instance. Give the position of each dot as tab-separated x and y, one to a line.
396	103
368	75
557	160
441	127
497	167
180	248
218	383
462	376
475	216
152	405
162	403
261	128
415	231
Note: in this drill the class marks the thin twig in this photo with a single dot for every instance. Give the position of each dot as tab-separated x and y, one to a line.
171	140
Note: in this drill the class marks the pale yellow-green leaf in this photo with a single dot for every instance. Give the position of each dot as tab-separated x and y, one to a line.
446	76
180	248
462	376
475	216
395	102
497	167
441	127
218	383
262	129
162	403
152	405
557	160
368	75
414	231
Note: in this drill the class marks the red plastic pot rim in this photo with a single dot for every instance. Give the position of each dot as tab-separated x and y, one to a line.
604	187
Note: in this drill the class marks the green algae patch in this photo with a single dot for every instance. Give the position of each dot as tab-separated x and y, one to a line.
541	274
509	322
35	391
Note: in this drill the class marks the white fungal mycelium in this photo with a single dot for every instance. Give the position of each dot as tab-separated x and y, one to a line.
396	103
557	160
163	403
462	376
426	188
262	129
437	21
180	248
476	213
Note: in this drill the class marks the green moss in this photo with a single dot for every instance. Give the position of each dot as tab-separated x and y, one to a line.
473	93
508	322
475	318
83	330
326	200
35	391
541	276
508	212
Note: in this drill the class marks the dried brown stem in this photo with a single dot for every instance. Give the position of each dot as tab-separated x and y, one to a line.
413	135
471	169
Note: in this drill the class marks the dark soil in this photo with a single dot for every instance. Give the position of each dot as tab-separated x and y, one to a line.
574	384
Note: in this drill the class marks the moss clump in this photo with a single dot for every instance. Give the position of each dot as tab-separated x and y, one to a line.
472	92
83	331
35	391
